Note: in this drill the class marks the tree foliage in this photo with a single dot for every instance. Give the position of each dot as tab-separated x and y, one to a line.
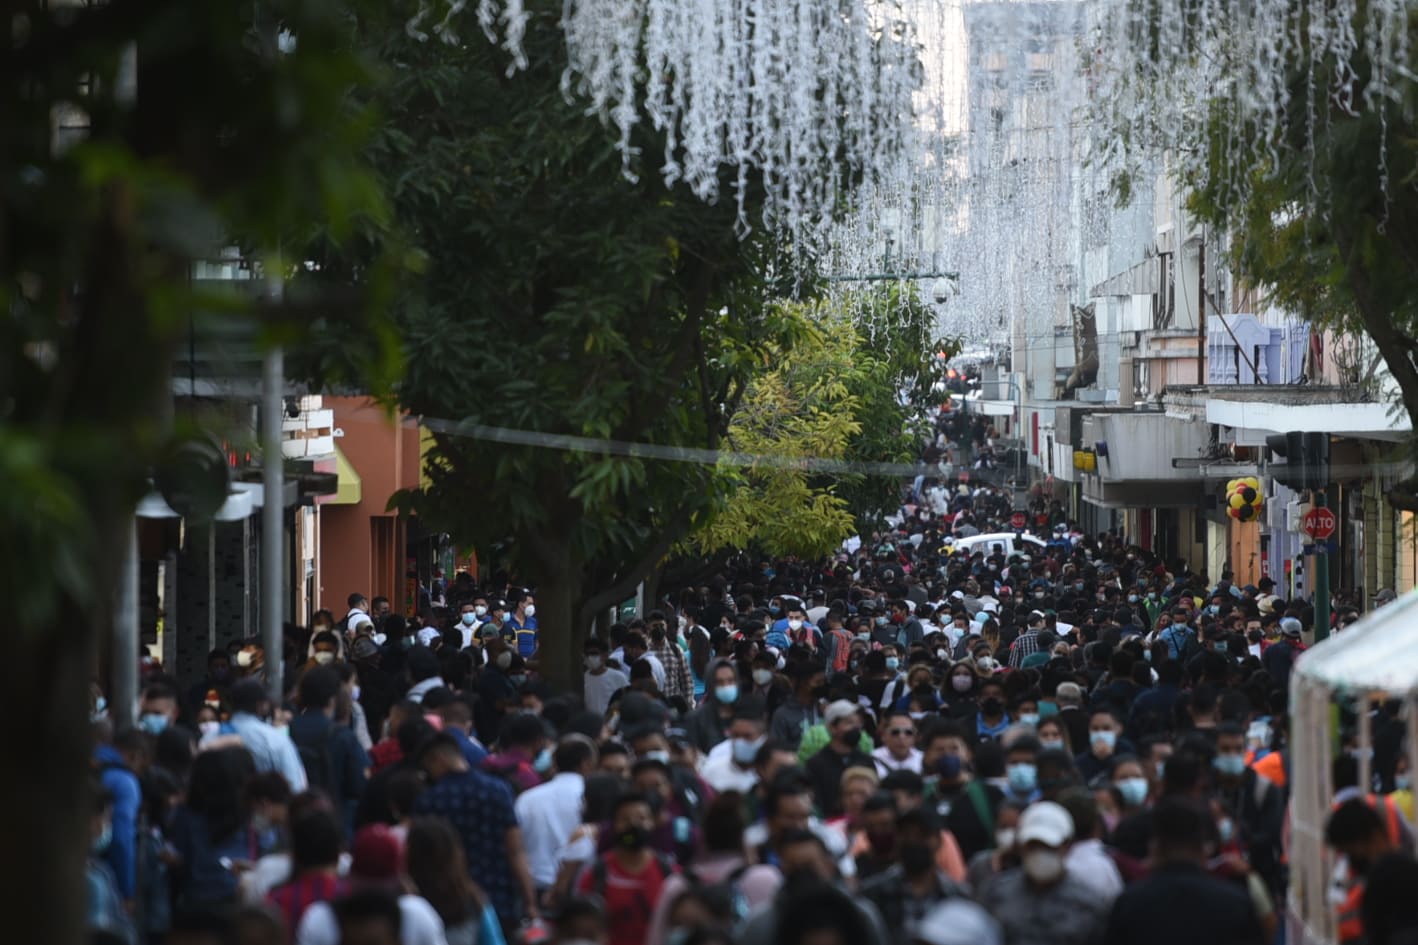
849	393
559	298
139	137
1328	219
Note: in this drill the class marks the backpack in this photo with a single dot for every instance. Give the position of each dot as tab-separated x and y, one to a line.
725	891
319	761
842	657
665	864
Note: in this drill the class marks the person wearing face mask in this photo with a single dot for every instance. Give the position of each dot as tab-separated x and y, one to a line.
708	725
497	694
1104	741
1021	770
550	813
912	886
521	625
468	623
1041	903
735	771
600	682
958	694
334	761
106	910
825	768
630	878
678	681
801	712
992	719
1258	806
157	710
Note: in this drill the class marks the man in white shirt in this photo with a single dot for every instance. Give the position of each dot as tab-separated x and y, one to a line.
898	751
600	682
734	770
550	813
374	865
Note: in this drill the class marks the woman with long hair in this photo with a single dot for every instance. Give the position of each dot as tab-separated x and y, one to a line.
212	832
435	863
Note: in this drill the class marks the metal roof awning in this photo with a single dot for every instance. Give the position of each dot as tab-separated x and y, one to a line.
349	488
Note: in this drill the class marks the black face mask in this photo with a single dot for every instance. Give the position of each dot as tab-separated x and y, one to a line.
992	706
916	858
819	692
633	838
851	737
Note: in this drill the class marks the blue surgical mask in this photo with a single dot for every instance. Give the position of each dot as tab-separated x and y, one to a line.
1402	782
727	695
1231	765
469	619
1106	739
154	723
1051	743
1132	598
542	763
506	616
745	750
893	663
1029	718
1226	830
1133	791
1023	777
661	756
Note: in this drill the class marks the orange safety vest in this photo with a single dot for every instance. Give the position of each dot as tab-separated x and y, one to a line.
1351	924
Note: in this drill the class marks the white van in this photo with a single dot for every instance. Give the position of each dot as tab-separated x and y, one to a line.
1024	544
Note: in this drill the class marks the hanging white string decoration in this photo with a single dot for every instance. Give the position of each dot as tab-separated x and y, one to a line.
1221	84
804	98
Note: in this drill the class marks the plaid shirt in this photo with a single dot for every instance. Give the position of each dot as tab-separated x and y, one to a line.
678	679
1026	644
901	910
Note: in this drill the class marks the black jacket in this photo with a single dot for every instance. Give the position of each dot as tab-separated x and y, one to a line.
1180	905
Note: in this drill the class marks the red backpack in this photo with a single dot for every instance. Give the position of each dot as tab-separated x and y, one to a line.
841	661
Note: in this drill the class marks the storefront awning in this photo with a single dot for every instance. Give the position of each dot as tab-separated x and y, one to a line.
349	489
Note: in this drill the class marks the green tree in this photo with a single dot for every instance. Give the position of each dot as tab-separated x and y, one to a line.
849	393
560	298
139	136
1314	221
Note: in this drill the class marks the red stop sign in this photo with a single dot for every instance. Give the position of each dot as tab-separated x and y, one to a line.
1018	520
1319	524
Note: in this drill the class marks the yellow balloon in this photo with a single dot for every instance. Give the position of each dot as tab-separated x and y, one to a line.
1235	500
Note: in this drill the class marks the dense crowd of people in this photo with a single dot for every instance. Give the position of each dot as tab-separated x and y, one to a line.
1057	743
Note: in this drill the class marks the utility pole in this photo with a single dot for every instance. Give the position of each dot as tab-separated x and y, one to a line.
1321	578
273	506
1201	311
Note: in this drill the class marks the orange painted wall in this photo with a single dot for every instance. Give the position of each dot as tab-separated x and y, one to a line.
362	547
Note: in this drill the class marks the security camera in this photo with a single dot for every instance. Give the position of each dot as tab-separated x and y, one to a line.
944	290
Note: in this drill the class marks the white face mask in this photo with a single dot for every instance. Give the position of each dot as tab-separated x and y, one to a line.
762	677
530	610
1043	866
1004	838
324	657
504	660
595	662
480	610
795	624
210	729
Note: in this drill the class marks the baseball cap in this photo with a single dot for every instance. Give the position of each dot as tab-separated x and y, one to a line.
375	855
1290	626
841	709
1046	822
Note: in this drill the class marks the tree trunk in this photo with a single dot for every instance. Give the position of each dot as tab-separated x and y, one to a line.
46	680
561	630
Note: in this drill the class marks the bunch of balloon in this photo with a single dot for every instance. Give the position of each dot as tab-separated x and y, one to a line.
1244	499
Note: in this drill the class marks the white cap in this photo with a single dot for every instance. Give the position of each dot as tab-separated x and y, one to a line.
841	709
958	921
1046	822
